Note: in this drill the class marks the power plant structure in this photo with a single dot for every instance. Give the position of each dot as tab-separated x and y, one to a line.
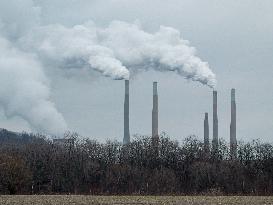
206	132
233	141
155	135
215	140
126	136
215	122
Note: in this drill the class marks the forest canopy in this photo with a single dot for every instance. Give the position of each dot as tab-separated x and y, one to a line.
34	164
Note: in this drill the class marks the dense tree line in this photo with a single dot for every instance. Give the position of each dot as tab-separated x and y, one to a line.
33	164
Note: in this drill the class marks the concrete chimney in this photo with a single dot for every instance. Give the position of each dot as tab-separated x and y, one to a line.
215	122
126	137
155	112
206	133
233	141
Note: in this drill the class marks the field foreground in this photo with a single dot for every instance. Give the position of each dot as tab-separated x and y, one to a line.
117	200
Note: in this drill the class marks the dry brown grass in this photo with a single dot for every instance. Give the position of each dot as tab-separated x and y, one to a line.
136	200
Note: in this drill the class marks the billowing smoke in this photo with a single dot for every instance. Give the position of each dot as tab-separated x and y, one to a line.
75	47
28	48
24	91
117	50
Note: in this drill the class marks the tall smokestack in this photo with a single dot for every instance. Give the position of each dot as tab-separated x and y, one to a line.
155	112
215	122
206	133
233	141
126	137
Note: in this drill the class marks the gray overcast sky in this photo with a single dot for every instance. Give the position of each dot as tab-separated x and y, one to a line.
234	37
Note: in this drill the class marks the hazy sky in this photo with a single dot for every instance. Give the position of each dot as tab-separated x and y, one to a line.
234	37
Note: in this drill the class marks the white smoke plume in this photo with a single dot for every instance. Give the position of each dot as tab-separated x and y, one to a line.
117	50
29	47
24	91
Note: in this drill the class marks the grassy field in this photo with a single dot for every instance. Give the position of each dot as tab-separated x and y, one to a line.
116	200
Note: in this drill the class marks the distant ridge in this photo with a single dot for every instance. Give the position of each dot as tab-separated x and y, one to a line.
7	136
